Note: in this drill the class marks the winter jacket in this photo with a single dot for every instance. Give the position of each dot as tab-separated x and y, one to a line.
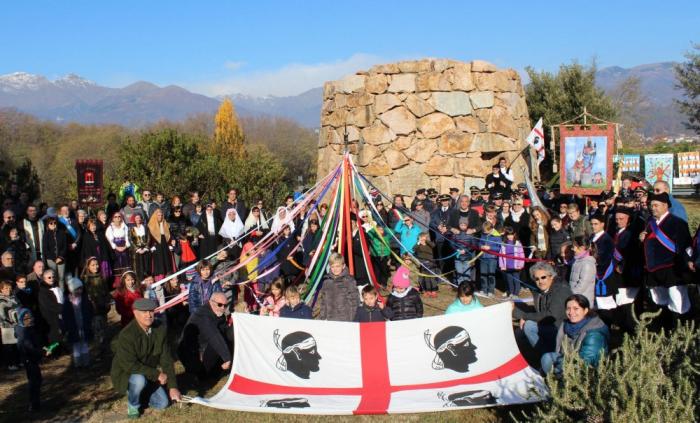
136	352
591	342
50	312
373	314
549	307
458	307
299	311
407	236
78	328
8	311
556	239
55	245
582	278
277	306
580	227
512	249
492	242
201	291
378	248
407	305
205	329
425	251
338	297
123	302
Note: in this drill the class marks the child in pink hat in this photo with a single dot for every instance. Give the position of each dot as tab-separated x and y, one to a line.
404	301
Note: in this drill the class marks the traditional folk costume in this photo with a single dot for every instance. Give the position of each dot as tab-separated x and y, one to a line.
162	257
209	226
605	289
140	254
666	247
118	236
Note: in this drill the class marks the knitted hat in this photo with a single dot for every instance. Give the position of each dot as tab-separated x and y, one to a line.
400	279
73	284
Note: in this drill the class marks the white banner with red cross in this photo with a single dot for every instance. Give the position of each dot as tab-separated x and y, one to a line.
462	360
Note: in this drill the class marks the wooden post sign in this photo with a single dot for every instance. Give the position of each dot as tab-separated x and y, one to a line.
89	182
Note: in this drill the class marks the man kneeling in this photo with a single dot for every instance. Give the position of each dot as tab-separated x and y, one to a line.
205	347
142	362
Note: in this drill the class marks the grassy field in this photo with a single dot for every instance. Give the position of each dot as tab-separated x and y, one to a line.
86	395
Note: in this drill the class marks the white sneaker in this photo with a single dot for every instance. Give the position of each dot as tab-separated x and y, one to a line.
505	295
12	368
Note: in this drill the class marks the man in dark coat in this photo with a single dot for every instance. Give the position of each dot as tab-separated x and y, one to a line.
233	202
666	239
142	361
463	210
206	342
208	227
540	325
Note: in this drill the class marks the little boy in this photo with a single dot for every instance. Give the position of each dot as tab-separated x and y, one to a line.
464	268
489	242
294	307
424	253
371	310
338	297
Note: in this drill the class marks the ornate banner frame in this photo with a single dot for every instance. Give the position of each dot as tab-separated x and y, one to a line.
586	166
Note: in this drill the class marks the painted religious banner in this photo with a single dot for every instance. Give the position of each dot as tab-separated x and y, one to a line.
432	364
658	167
586	158
89	182
688	164
629	162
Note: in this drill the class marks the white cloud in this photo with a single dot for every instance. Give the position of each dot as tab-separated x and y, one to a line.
234	65
291	79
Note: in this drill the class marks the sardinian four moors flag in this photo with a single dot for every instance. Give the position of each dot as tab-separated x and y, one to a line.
536	140
463	360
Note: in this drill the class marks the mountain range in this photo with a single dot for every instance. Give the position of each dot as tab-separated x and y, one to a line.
73	98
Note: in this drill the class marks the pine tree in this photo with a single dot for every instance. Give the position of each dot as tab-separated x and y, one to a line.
688	75
228	136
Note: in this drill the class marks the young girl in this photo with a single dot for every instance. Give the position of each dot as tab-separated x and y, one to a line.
124	296
511	267
77	319
583	271
274	301
202	286
95	245
424	253
489	241
404	301
98	295
539	237
465	301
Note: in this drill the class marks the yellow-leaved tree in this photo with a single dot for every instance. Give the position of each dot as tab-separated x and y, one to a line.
228	136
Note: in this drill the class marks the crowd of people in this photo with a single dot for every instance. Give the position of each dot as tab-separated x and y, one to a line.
588	262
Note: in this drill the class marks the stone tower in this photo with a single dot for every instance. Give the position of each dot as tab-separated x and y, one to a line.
428	123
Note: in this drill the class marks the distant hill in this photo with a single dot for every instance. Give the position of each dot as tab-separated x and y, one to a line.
73	98
657	83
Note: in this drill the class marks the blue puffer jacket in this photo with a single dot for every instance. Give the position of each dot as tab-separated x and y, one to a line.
493	242
201	291
591	342
407	236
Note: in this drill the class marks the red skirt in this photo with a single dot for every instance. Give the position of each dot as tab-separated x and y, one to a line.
188	255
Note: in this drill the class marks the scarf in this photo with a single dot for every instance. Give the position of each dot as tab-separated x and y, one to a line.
155	229
583	255
260	224
280	221
573	329
515	216
232	227
401	294
541	243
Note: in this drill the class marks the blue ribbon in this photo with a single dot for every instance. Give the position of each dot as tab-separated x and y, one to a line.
662	237
601	289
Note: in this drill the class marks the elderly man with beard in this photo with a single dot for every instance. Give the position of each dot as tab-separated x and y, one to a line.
142	362
207	339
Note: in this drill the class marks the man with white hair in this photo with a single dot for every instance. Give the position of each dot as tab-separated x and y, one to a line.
677	208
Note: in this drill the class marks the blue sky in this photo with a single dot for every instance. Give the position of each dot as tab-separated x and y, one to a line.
286	47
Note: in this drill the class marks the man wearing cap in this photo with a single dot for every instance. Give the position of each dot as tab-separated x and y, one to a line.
454	196
420	196
439	219
207	339
431	203
666	239
142	362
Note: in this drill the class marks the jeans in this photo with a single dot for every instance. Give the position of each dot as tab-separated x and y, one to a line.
512	281
488	275
552	361
60	270
542	337
142	388
81	354
464	271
